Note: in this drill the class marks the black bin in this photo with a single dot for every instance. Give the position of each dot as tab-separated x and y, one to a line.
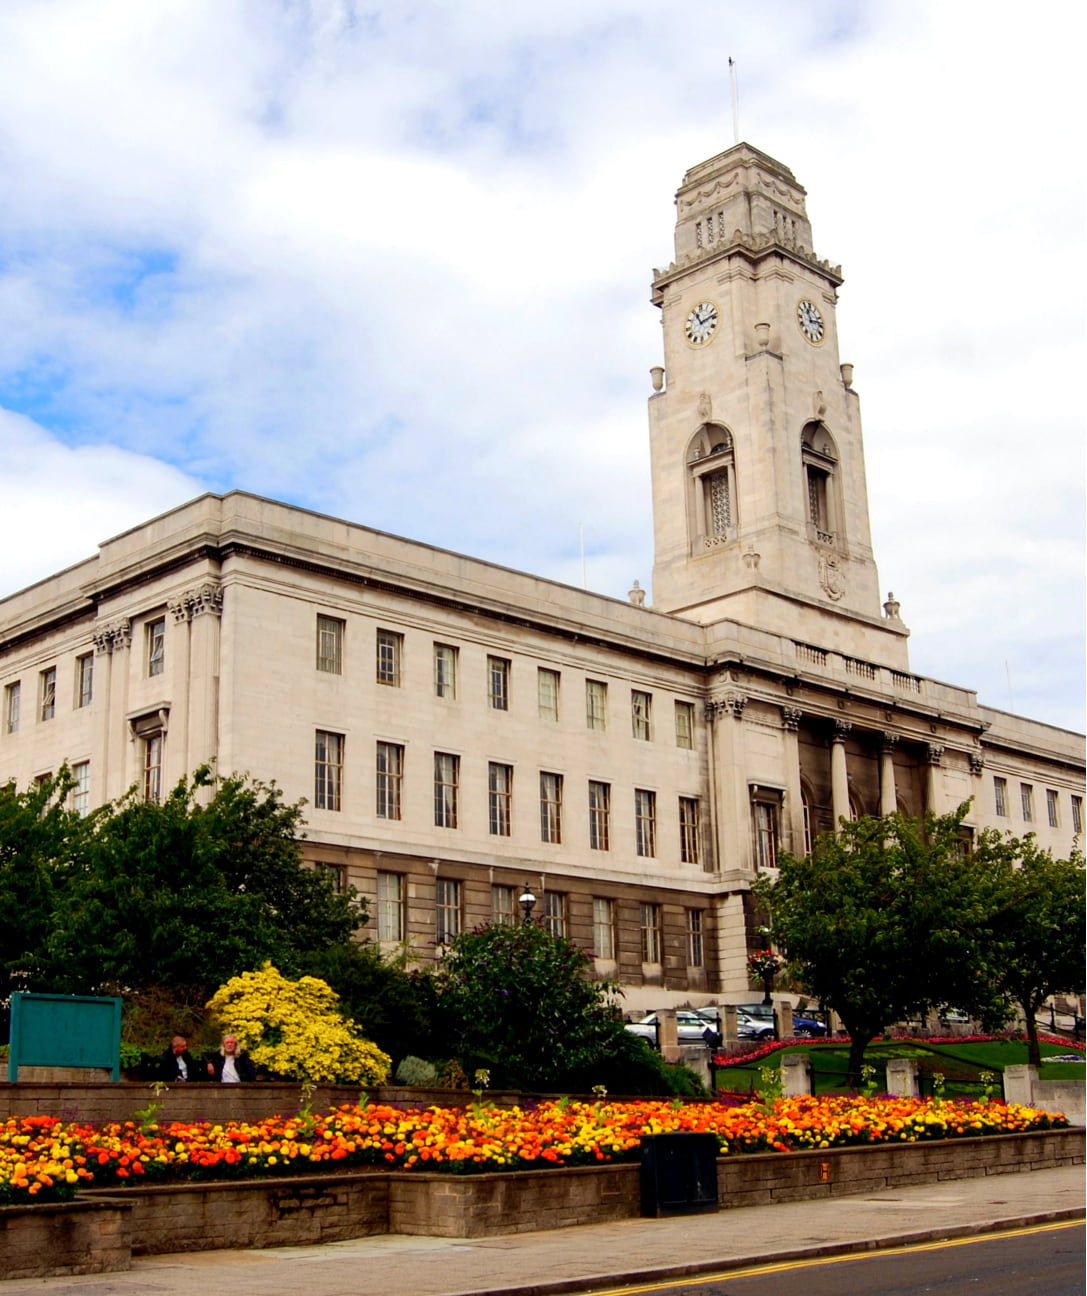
679	1174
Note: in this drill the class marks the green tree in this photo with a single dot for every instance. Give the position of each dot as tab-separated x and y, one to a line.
519	1003
884	920
1037	923
394	1006
40	840
184	895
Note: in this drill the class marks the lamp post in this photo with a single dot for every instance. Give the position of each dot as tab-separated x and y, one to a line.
527	901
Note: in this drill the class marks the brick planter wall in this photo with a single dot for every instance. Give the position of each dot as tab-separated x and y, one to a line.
67	1238
307	1209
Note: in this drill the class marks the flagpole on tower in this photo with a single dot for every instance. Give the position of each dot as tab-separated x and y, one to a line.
735	100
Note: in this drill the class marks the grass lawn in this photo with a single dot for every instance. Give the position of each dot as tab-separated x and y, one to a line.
960	1063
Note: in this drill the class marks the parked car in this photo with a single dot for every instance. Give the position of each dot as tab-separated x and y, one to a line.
804	1027
756	1028
691	1027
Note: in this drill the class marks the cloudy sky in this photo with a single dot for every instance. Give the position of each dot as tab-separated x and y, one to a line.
391	262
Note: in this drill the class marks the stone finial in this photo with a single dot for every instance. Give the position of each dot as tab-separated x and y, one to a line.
656	376
636	595
892	607
847	375
762	336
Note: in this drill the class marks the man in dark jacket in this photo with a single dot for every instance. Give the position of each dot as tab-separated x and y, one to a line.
177	1064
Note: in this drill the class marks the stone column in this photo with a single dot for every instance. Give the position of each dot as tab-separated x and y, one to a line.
839	772
732	847
935	758
180	675
795	1075
1019	1083
793	811
205	610
669	1034
728	1023
902	1077
113	751
888	797
784	1014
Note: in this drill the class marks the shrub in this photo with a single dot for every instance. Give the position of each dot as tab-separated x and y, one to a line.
295	1029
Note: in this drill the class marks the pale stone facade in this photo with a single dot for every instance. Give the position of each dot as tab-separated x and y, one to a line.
460	729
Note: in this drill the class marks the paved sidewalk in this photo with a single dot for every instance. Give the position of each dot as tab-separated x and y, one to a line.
596	1255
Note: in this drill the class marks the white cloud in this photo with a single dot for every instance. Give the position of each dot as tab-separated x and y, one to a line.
392	262
60	502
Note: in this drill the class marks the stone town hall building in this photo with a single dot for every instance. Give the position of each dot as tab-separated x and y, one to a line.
459	728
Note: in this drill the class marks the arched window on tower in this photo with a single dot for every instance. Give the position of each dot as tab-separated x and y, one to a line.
820	459
711	483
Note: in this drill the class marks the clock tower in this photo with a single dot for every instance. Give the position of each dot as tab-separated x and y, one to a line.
759	498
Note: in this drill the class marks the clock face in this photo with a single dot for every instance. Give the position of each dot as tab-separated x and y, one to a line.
701	323
810	321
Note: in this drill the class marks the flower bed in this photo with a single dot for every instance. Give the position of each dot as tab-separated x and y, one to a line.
759	1051
46	1159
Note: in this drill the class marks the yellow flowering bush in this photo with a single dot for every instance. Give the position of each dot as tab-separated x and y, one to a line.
296	1030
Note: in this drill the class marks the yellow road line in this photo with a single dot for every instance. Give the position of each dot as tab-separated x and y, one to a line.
750	1271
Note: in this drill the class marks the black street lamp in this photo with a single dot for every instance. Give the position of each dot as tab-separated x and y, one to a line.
527	901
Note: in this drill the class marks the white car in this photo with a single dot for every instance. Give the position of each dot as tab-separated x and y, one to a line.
691	1027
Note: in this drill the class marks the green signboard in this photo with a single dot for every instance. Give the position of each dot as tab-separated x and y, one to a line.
65	1031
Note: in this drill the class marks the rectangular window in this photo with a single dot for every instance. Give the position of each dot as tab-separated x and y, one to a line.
1026	796
84	680
551	808
603	928
498	683
390	907
330	644
685	724
651	933
645	822
695	957
152	768
503	906
1077	814
445	671
328	771
390	778
765	821
12	703
599	815
499	796
155	645
688	830
554	914
1000	795
596	704
336	874
547	692
640	714
390	646
447	909
446	786
1052	808
81	787
47	694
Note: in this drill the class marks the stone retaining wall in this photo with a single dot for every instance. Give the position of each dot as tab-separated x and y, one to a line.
65	1239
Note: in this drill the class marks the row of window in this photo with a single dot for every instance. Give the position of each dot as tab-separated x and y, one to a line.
154	661
391	917
389	797
389	658
1026	804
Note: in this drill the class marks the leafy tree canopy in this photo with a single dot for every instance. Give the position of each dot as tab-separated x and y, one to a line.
41	839
519	1003
886	919
187	893
1037	923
